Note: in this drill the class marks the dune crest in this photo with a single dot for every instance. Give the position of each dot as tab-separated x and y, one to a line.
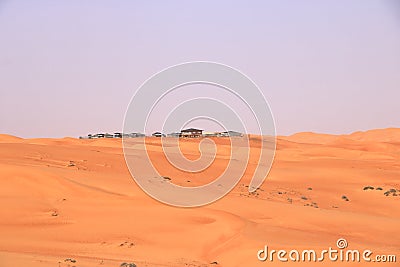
5	138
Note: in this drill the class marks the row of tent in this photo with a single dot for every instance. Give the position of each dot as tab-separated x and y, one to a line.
115	135
198	134
159	134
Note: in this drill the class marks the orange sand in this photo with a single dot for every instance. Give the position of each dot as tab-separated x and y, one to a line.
70	198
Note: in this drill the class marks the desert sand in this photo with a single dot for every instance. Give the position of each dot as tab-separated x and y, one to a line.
71	202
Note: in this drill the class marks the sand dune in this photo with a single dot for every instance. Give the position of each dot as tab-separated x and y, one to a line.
5	138
382	135
70	202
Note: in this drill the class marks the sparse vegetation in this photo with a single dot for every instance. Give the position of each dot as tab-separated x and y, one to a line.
124	264
368	188
313	204
392	192
127	244
345	198
71	163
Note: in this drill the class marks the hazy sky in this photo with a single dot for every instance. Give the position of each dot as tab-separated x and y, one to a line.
68	68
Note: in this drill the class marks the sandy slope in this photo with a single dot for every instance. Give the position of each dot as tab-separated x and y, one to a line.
70	198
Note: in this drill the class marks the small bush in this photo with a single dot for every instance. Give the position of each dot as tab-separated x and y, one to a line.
71	163
391	191
70	260
345	198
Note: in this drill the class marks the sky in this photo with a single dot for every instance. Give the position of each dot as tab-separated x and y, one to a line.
69	68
